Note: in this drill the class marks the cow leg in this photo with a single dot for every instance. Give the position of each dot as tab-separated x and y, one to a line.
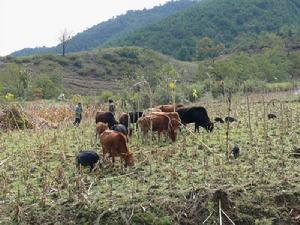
166	136
197	127
113	160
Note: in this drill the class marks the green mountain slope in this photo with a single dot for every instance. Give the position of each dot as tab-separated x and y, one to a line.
113	28
224	21
91	72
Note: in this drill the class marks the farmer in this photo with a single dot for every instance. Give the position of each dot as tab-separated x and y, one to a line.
78	114
111	106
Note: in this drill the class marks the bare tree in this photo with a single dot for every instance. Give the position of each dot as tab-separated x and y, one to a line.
64	39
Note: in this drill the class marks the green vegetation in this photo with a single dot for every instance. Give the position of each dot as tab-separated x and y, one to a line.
20	83
224	21
246	72
88	73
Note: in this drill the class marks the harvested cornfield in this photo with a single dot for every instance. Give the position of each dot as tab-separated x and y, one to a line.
193	181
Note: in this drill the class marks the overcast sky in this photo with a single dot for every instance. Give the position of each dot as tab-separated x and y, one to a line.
35	23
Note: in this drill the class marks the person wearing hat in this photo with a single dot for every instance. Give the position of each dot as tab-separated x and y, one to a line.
78	114
111	106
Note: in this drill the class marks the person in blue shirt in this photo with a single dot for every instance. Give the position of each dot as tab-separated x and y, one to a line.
78	114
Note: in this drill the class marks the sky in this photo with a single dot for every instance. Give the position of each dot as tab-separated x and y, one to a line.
36	23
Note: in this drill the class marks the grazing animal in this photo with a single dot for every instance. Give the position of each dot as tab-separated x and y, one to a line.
148	112
236	151
229	119
219	120
120	128
124	118
169	108
197	115
114	144
106	117
161	123
271	116
87	158
100	128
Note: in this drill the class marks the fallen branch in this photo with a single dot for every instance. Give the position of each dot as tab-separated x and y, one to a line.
207	217
227	217
88	191
4	161
100	217
197	139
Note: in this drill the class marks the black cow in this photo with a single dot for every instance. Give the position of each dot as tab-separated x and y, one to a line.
219	120
106	117
87	158
120	128
271	116
229	119
197	115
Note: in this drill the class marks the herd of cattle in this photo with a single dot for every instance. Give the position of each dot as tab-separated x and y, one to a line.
163	119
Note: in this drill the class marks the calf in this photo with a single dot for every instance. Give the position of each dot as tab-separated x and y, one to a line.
114	144
87	158
197	115
106	117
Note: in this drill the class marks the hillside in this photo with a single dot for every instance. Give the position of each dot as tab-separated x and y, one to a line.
114	28
91	72
224	21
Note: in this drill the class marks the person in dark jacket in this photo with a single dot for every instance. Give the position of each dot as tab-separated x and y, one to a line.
111	106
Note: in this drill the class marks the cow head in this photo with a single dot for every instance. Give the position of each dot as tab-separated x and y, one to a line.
209	127
172	134
129	161
101	127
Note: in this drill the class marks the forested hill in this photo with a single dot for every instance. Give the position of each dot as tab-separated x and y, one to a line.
114	28
223	21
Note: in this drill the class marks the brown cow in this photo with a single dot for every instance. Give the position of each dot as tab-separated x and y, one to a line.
114	143
149	111
169	108
100	128
124	119
162	123
106	117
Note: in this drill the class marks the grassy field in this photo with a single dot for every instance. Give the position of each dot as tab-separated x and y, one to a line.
181	183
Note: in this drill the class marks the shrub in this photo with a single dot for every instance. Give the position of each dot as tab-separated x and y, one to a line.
105	95
78	63
253	86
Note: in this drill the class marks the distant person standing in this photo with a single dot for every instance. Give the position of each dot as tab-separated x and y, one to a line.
78	114
111	106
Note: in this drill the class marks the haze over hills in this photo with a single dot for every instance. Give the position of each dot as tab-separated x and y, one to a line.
114	28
